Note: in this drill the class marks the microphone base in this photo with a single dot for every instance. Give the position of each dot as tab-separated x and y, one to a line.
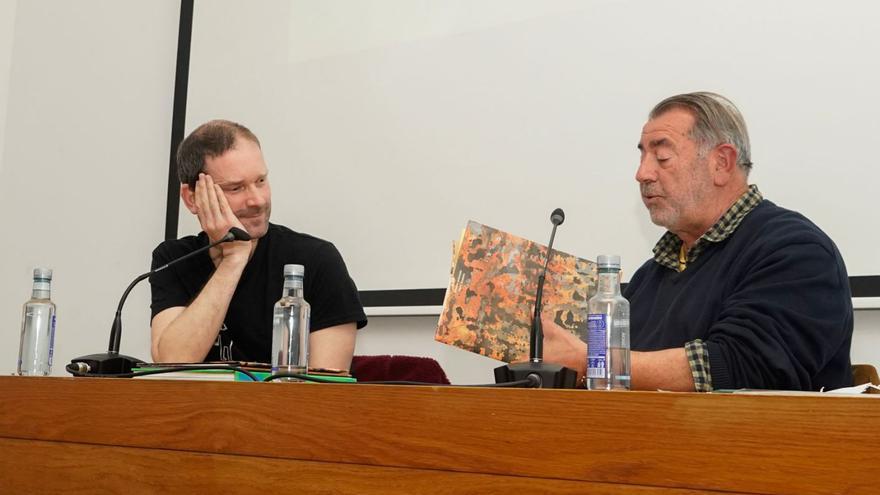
549	375
107	363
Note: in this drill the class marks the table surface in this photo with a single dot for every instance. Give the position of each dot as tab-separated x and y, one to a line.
154	435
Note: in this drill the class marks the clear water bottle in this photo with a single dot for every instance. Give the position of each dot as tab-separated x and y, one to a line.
37	328
290	326
608	366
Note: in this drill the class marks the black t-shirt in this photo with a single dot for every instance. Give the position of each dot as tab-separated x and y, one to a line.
246	334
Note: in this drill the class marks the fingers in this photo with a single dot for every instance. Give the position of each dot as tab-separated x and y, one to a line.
222	204
208	197
199	200
549	326
203	191
562	346
211	198
225	210
557	334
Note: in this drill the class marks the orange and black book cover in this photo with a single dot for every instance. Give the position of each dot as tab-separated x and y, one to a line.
490	301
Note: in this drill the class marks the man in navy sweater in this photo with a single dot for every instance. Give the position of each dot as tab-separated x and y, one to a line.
740	293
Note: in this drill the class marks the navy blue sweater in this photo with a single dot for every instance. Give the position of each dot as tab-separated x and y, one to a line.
772	302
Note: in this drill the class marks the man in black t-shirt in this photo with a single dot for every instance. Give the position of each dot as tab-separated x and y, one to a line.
219	305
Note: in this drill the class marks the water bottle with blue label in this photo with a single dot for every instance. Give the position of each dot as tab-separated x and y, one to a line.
37	328
608	364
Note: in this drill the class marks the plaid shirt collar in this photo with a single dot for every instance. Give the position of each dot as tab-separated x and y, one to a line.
668	248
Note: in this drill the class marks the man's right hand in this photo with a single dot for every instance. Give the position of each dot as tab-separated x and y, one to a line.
216	218
563	347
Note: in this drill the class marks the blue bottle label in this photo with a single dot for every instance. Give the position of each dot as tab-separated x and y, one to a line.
52	341
597	350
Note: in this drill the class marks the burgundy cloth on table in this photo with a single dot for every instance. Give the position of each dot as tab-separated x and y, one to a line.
397	368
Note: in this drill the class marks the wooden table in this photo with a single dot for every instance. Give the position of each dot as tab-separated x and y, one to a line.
162	436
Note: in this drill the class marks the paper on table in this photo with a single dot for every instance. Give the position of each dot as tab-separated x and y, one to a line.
858	389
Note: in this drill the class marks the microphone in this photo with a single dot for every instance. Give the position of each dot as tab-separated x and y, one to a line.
556	218
111	362
543	375
536	338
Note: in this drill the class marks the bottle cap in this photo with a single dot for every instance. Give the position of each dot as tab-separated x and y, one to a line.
42	274
608	261
294	271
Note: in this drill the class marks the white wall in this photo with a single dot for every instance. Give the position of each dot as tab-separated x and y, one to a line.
84	166
866	338
7	29
387	124
398	121
85	114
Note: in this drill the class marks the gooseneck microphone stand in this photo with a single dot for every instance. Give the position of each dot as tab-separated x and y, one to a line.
543	375
113	363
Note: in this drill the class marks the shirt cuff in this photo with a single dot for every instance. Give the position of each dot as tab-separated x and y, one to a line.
698	359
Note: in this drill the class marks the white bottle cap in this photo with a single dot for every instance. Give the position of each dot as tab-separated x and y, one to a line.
608	261
43	274
294	271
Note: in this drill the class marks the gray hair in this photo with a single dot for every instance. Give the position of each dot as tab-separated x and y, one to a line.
716	121
209	140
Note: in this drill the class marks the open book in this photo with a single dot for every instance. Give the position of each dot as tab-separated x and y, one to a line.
490	301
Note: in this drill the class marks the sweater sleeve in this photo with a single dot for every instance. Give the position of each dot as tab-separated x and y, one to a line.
787	315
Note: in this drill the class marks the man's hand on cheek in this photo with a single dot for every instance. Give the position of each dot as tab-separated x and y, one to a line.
216	218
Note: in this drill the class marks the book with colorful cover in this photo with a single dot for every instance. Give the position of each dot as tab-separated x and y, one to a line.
490	301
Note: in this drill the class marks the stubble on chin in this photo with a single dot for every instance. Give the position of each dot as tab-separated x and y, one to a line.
259	230
255	230
662	217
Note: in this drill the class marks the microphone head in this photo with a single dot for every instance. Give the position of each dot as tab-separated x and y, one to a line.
557	217
238	234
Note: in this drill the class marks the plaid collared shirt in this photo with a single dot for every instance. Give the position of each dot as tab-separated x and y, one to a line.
669	252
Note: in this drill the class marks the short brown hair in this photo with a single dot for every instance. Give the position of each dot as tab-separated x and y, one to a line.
208	140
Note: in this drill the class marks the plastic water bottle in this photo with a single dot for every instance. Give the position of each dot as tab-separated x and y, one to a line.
290	326
37	328
608	366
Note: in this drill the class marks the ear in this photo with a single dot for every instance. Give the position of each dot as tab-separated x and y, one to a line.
188	197
724	166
